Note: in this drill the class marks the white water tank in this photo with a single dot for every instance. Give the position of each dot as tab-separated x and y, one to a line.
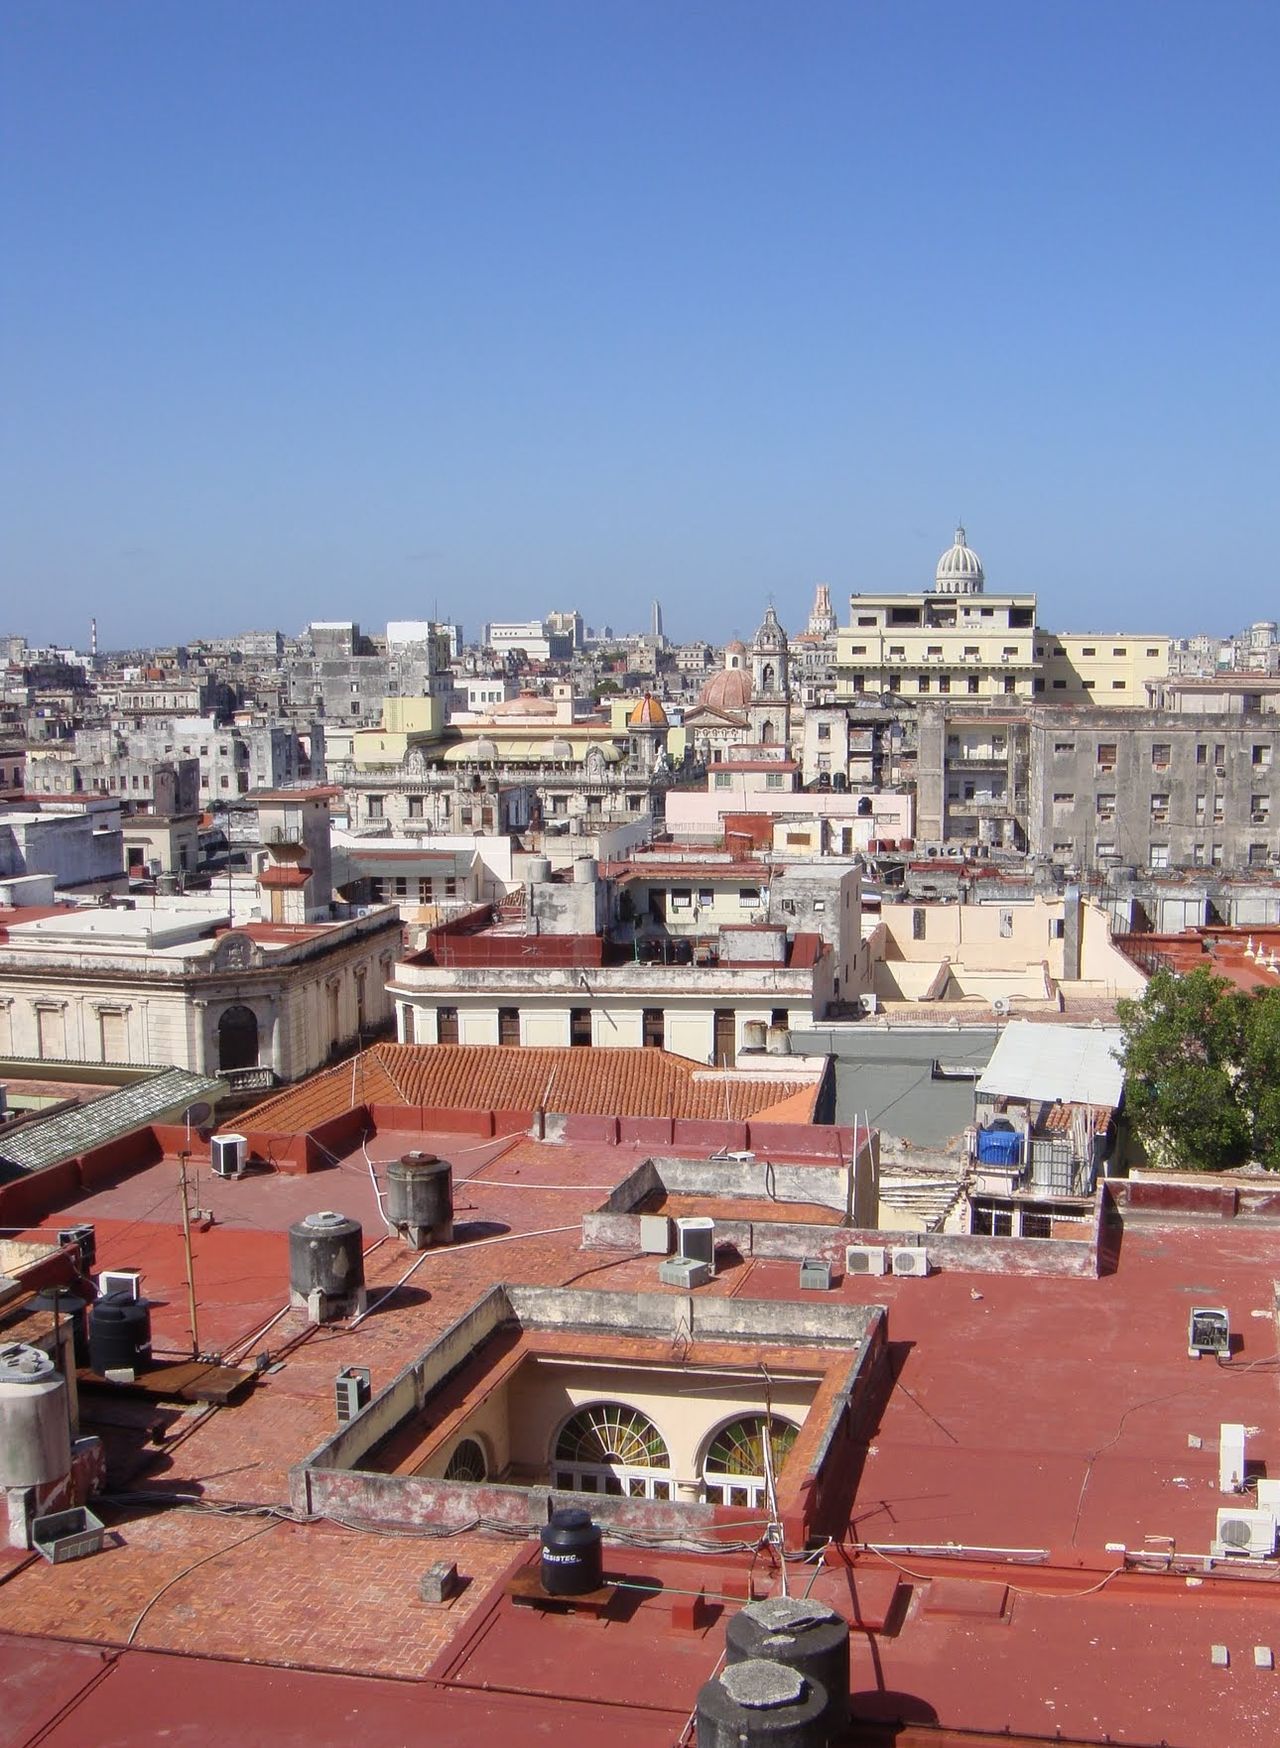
35	1435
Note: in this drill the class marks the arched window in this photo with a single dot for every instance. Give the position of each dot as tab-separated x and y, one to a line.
767	673
238	1038
467	1462
610	1448
767	735
740	1455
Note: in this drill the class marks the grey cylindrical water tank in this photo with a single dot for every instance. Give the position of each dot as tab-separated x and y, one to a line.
35	1437
572	1553
72	1307
537	870
805	1636
759	1702
326	1264
754	1033
585	871
778	1041
420	1198
119	1334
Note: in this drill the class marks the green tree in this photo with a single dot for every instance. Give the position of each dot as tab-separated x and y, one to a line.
1257	1084
1185	1043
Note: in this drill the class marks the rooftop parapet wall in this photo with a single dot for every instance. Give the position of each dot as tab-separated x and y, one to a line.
329	1480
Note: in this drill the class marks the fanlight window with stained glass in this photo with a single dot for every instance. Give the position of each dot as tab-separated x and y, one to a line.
610	1448
467	1462
735	1470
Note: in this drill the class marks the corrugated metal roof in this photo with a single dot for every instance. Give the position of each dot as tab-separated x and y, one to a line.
90	1125
1076	1064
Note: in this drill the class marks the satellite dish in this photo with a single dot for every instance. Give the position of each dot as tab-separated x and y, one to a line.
196	1115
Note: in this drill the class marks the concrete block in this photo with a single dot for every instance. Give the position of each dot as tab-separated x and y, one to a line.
439	1582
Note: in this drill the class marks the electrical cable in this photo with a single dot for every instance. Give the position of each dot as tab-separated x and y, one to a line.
187	1570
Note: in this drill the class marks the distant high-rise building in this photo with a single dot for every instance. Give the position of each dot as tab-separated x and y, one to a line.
822	621
657	621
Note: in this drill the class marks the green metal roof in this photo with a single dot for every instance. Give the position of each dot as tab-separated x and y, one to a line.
166	1093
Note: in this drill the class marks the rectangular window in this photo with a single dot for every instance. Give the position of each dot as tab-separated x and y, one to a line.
1106	806
402	886
1159	857
373	804
918	925
1160	752
1153	654
1160	806
922	684
706	897
1106	755
580	1026
415	807
1259	809
1261	757
824	731
773	780
1202	754
866	619
681	897
1059	685
749	897
1201	805
1088	651
723	779
895	682
1219	753
653	1028
1117	685
973	683
944	682
509	1026
1062	747
1064	798
1010	685
1120	652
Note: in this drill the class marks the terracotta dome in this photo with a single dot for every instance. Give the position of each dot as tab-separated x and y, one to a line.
728	690
648	713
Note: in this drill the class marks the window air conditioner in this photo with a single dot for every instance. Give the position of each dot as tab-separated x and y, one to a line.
120	1281
910	1261
1248	1533
228	1154
866	1259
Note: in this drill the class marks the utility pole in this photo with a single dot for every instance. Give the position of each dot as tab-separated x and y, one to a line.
186	1245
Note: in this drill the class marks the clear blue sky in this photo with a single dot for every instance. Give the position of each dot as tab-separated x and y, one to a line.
311	309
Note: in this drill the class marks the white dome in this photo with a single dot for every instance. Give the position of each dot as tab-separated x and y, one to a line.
959	569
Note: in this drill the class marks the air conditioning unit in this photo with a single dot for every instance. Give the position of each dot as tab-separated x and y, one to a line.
1208	1331
1250	1534
120	1281
909	1261
1231	1463
1000	1006
655	1235
684	1271
815	1274
229	1154
866	1259
352	1389
869	1003
696	1239
85	1240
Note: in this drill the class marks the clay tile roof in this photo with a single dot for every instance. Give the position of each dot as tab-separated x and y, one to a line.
493	1077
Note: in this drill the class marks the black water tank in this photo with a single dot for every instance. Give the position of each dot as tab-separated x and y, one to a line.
326	1257
572	1553
420	1197
68	1305
119	1334
805	1636
762	1703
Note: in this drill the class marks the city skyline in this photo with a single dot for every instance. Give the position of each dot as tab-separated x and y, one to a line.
488	308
